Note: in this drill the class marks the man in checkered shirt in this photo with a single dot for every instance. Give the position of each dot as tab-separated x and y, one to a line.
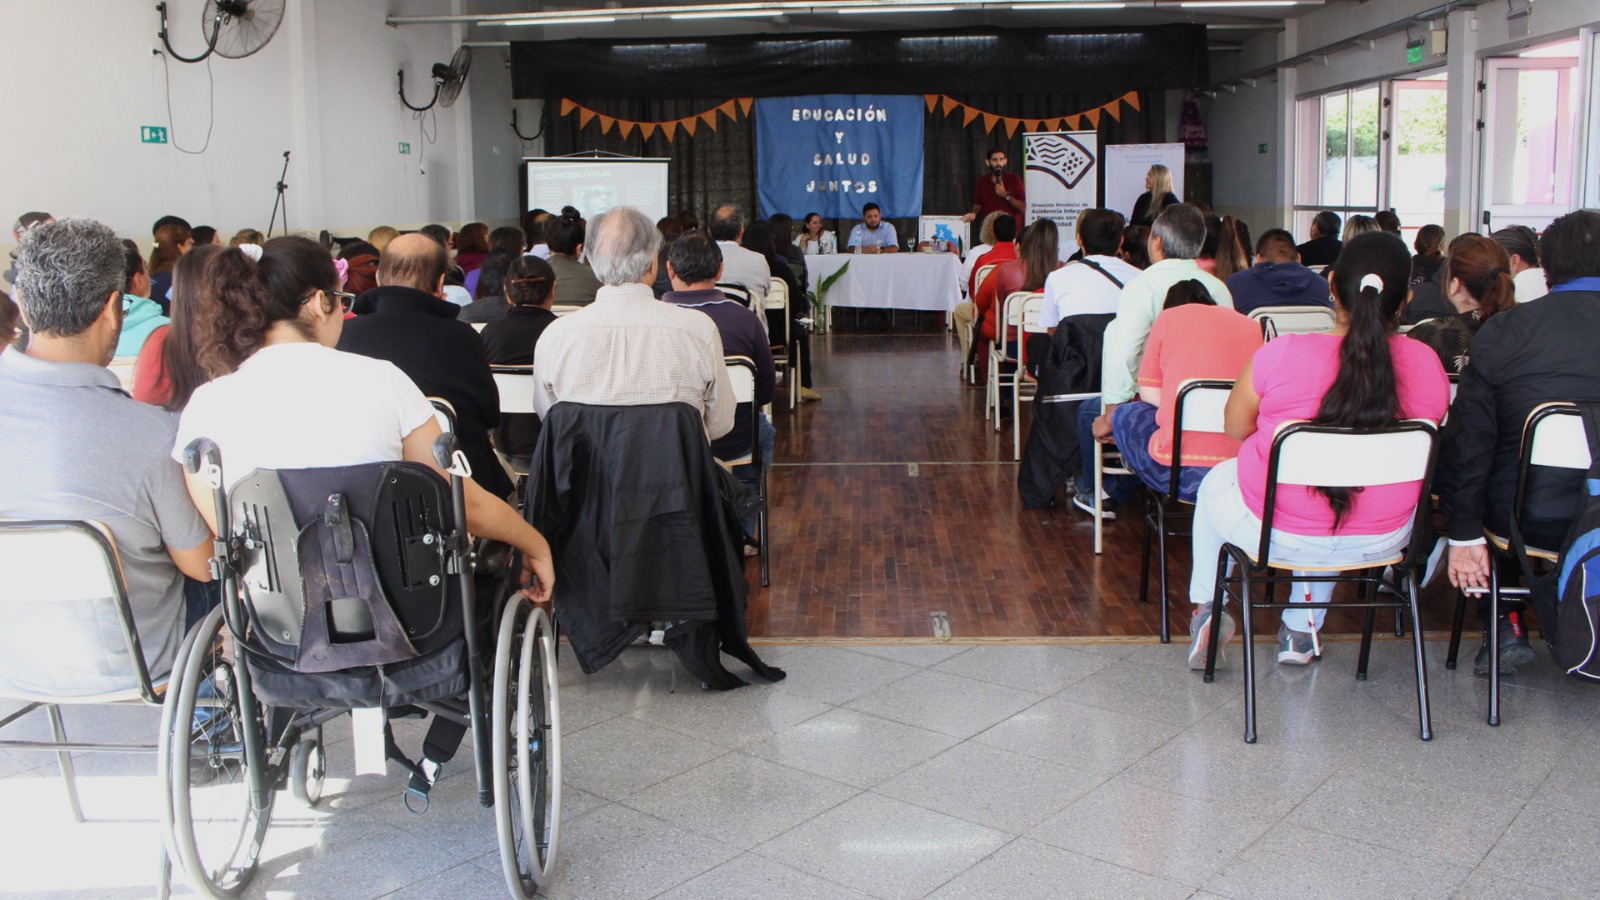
628	348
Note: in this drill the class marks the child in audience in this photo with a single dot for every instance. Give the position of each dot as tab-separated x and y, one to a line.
1361	374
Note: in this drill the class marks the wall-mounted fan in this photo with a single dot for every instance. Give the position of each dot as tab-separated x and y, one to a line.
447	81
234	29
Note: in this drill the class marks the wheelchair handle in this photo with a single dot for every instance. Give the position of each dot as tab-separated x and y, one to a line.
200	451
444	450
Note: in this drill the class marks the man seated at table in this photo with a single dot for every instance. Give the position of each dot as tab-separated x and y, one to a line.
873	234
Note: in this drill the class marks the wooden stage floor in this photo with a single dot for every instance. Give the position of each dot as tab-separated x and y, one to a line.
893	500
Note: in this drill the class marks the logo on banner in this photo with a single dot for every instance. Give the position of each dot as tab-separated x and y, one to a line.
1060	157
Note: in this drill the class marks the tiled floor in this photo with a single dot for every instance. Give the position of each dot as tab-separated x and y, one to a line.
909	770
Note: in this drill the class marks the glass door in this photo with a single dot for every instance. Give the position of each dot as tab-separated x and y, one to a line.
1416	170
1527	139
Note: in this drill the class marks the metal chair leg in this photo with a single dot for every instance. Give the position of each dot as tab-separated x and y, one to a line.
1366	644
1249	651
1150	515
64	760
1494	644
1455	630
1424	714
1161	548
1219	597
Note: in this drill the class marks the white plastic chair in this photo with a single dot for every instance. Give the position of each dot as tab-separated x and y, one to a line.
742	375
1276	320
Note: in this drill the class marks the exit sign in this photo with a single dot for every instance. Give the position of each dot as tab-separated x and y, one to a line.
1414	52
152	134
405	148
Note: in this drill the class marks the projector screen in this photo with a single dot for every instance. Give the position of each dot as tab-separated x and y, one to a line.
596	185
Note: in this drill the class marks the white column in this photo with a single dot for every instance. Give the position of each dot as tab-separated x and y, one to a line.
1461	125
1285	133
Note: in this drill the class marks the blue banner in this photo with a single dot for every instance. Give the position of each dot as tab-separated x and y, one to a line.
834	153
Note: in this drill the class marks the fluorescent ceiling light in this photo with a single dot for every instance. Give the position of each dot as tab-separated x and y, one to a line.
1023	7
730	14
558	20
1224	3
872	10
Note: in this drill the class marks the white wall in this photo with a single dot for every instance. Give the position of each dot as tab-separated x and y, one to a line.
324	88
1237	120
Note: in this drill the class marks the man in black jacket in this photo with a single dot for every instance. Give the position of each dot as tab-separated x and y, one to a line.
1531	354
1324	246
415	328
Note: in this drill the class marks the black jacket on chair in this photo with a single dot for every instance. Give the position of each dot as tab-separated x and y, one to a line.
445	358
1073	367
642	525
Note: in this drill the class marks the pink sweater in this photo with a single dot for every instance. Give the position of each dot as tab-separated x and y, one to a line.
1194	341
1291	375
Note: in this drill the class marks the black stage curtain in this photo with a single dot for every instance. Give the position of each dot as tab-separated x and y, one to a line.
985	61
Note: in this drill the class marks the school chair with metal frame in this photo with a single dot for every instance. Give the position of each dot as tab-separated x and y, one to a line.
1552	437
742	374
1279	320
1198	408
1304	454
782	340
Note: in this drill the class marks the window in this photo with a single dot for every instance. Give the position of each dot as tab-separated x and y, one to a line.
1341	140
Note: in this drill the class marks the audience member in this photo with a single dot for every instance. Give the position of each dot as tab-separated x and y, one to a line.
1323	246
1521	245
510	341
82	449
813	239
695	265
1428	264
1002	234
380	237
1357	225
502	238
472	245
205	235
1175	240
535	226
671	229
25	223
140	315
1362	374
414	327
742	267
1428	299
168	369
440	234
1277	278
1038	255
1093	282
172	241
1530	354
247	236
164	221
970	261
1478	284
575	279
10	320
759	238
1222	254
783	239
1135	249
672	354
1143	428
361	270
1157	196
688	220
490	303
1388	221
872	234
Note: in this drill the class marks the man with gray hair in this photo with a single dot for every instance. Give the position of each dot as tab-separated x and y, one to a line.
1175	240
741	266
627	348
80	448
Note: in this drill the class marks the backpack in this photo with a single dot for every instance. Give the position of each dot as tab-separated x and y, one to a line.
1568	601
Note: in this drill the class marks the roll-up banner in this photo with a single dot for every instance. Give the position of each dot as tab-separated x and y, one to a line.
1060	178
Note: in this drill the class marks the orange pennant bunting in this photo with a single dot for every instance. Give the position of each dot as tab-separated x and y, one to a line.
1094	118
950	105
689	124
931	100
625	128
1060	124
646	129
584	116
1114	109
1011	126
710	118
1132	99
1040	125
967	114
1074	123
605	124
669	129
744	104
727	110
988	121
566	106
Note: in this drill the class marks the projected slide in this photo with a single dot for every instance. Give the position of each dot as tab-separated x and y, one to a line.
596	185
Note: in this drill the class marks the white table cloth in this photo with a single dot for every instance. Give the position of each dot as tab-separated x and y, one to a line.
928	281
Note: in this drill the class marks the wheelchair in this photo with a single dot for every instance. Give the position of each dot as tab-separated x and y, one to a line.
350	588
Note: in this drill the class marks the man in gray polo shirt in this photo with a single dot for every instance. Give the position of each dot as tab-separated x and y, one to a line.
77	447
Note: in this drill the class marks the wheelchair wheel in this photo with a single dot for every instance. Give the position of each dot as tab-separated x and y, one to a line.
308	767
526	729
215	832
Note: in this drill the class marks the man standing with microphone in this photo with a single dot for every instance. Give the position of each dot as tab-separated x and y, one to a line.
998	191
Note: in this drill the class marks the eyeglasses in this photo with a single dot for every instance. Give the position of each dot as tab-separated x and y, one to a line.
344	299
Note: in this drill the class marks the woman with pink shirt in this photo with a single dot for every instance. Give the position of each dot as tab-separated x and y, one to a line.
1192	338
1361	374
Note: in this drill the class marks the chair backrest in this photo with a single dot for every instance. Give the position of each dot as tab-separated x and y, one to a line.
735	292
983	272
122	367
1554	436
1276	320
1031	312
742	375
562	309
515	384
62	586
1199	407
478	326
777	294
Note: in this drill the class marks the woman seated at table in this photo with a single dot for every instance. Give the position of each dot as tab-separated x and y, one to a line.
282	398
813	240
1361	374
1143	428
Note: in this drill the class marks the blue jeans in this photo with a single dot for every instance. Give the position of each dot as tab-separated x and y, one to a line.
1122	488
199	598
1133	424
747	473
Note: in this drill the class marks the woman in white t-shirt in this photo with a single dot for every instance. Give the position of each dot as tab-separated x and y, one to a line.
281	397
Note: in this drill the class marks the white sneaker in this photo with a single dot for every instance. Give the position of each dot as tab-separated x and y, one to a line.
1107	512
